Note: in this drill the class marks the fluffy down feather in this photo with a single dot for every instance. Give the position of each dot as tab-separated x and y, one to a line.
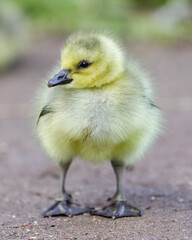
106	112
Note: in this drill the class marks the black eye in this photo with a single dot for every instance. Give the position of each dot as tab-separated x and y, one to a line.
84	64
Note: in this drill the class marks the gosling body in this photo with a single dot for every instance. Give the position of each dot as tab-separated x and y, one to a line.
115	121
104	112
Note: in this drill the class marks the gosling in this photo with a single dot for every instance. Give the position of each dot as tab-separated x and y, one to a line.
100	107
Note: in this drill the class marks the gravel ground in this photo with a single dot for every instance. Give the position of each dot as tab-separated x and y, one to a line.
160	185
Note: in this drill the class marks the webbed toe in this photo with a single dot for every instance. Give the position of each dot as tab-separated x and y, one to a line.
64	208
117	209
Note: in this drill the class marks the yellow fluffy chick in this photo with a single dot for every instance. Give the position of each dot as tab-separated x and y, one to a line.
99	106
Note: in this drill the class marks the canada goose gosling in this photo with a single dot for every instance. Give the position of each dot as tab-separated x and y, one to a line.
99	106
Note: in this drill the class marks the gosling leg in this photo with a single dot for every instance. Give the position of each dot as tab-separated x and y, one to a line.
64	205
118	206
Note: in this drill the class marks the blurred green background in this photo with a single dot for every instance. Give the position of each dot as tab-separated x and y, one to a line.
134	20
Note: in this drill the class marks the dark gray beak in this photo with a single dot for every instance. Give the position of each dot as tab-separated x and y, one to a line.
60	78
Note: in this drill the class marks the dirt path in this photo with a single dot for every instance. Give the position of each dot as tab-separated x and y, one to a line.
161	184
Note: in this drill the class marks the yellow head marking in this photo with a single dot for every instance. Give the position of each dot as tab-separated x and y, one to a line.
92	59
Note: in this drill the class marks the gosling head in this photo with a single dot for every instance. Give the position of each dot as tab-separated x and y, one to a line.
88	61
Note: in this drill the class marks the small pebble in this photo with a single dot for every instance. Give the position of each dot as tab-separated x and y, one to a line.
180	199
25	224
153	198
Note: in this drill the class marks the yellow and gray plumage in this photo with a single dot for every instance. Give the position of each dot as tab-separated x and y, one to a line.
100	106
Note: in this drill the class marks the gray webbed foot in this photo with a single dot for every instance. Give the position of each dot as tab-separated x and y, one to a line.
65	208
117	209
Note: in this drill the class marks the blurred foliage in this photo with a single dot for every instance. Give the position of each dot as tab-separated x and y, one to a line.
148	4
14	33
130	18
